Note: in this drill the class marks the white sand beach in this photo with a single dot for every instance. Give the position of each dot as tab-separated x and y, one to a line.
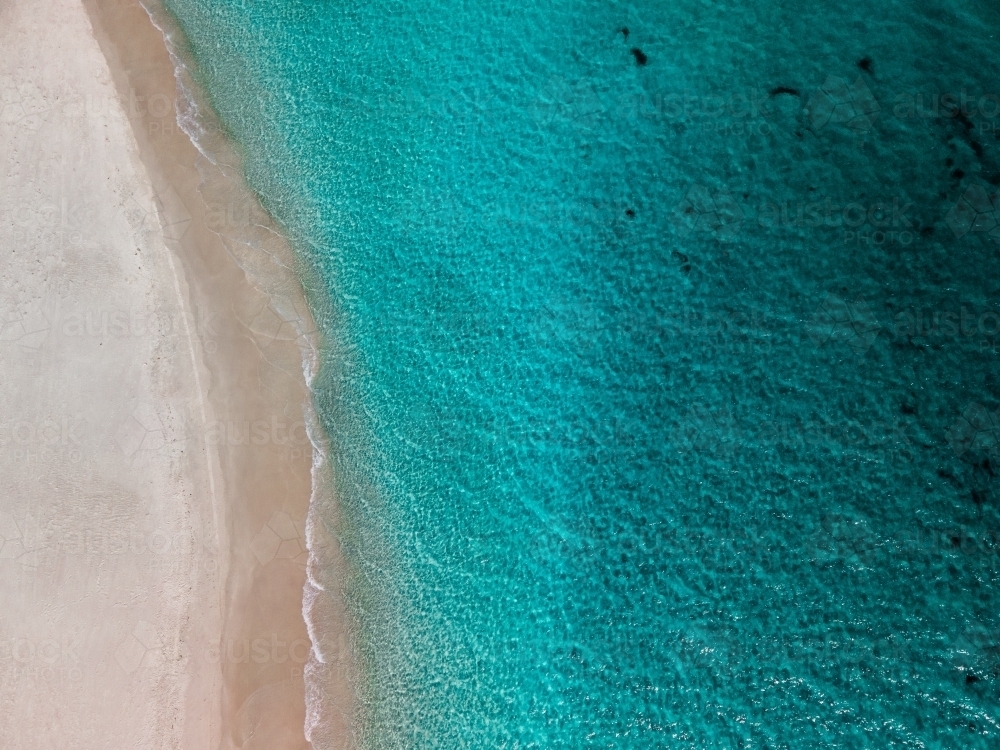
156	468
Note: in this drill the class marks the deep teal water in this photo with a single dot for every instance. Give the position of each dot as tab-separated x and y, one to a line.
645	385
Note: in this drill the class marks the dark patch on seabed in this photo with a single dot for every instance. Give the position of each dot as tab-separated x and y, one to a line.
661	383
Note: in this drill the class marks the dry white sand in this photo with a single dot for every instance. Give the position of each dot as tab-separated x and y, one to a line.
155	468
110	571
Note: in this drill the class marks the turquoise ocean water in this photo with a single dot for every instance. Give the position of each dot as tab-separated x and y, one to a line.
661	382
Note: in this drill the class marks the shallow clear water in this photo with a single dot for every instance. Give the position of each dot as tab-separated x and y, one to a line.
646	383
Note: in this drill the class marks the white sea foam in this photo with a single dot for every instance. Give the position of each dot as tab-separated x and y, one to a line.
264	255
188	112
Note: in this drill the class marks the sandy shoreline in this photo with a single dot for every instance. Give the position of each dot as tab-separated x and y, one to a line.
157	466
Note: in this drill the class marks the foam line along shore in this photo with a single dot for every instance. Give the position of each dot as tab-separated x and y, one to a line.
270	527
